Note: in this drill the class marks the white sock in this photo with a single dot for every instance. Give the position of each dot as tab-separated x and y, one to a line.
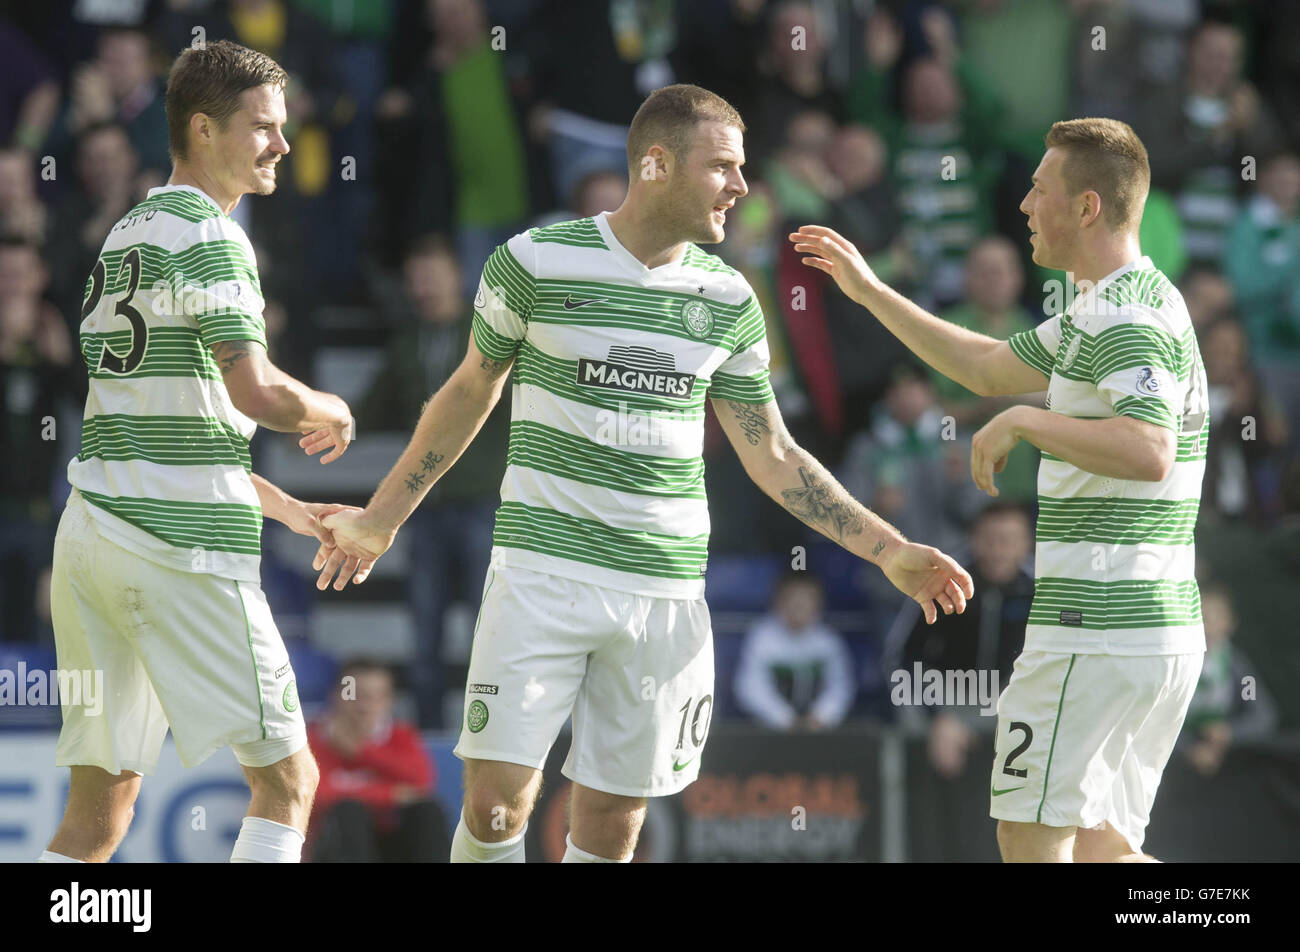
48	857
573	854
466	848
265	841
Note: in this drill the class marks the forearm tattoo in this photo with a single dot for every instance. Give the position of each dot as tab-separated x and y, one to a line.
415	479
752	423
824	505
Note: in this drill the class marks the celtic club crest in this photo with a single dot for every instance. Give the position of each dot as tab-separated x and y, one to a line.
697	319
1072	351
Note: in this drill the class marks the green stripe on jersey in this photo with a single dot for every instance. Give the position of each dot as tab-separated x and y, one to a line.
586	540
553	451
1117	521
581	233
492	345
217	526
1030	349
171	352
1109	606
166	440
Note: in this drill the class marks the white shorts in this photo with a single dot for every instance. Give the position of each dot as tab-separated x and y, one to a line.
1084	738
635	672
194	651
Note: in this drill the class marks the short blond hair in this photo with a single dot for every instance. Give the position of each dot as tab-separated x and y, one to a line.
1107	157
669	117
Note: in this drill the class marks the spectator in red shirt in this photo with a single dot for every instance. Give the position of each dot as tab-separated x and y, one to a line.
375	800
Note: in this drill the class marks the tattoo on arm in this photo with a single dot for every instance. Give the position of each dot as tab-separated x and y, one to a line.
823	505
752	423
229	353
415	479
493	367
878	548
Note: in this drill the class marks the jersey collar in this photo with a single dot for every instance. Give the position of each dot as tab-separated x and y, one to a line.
186	188
1082	305
625	257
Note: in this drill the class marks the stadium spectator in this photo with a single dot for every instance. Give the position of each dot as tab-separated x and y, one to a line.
120	84
1208	296
1003	42
801	182
106	189
995	279
35	360
1263	264
22	214
987	637
1248	429
452	543
794	672
945	160
458	115
865	209
792	77
1223	709
375	800
625	51
902	466
864	352
597	191
1197	133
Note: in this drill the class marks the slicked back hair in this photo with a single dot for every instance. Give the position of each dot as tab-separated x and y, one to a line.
210	80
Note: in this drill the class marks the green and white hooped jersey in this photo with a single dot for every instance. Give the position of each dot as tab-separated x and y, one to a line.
1115	563
164	461
604	479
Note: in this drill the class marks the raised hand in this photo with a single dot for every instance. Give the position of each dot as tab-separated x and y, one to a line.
927	576
834	254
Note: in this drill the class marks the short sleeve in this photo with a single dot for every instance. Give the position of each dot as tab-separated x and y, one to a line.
1037	347
1135	367
744	376
505	298
216	270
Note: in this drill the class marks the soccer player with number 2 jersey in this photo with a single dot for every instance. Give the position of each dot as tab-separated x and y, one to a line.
1114	642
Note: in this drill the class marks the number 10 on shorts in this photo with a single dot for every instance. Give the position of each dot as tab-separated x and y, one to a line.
699	724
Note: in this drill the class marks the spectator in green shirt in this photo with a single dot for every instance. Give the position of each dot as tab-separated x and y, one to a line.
1263	263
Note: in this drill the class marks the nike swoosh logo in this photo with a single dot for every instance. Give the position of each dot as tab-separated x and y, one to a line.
571	305
677	766
998	793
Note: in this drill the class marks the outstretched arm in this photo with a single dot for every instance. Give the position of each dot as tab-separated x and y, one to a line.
793	478
983	365
449	422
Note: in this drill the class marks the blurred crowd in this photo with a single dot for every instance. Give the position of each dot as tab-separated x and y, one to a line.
425	132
